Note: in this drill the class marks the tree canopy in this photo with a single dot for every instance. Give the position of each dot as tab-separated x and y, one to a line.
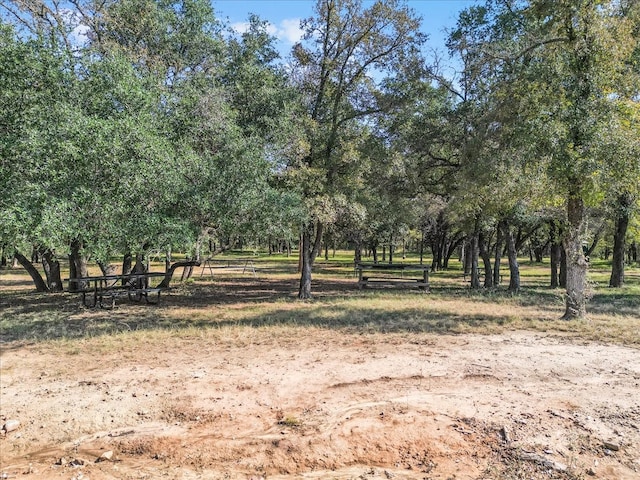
139	125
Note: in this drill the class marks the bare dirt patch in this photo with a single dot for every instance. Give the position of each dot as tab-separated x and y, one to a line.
309	402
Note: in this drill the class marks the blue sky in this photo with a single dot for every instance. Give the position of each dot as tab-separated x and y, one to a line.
284	17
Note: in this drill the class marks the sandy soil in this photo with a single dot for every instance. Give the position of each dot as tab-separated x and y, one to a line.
518	405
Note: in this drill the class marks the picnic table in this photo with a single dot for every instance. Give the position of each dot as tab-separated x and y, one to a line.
392	274
102	290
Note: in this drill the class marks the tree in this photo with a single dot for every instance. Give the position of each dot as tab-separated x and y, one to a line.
32	77
562	60
144	126
346	48
578	59
624	147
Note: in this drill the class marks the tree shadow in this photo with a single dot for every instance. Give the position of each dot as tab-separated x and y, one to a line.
256	302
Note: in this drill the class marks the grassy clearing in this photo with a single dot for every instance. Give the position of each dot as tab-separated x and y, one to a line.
237	309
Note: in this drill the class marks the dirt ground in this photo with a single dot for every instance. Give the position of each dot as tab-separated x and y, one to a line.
323	404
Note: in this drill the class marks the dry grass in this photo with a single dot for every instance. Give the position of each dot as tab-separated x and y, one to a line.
239	310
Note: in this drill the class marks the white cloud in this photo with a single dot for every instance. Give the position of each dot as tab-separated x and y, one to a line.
240	27
290	30
272	29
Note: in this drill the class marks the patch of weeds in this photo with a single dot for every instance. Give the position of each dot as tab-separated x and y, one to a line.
162	448
290	421
177	413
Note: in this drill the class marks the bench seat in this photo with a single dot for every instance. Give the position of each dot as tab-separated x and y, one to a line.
135	294
393	281
392	275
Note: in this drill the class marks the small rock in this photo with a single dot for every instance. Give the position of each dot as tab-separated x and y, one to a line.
77	462
61	461
611	446
11	425
108	455
591	472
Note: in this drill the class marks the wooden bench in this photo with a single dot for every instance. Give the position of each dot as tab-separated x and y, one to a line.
392	275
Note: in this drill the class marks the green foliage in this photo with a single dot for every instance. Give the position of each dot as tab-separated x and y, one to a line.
143	136
158	126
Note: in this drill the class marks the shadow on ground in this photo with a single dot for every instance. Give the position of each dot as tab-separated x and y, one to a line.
31	317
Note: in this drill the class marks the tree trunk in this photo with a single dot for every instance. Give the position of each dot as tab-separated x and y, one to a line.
538	253
622	223
77	266
466	255
486	260
512	255
127	262
187	273
310	250
563	268
576	299
498	256
169	273
326	248
140	266
300	250
473	260
436	253
39	282
106	269
357	254
304	291
451	248
73	273
51	267
596	239
555	254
